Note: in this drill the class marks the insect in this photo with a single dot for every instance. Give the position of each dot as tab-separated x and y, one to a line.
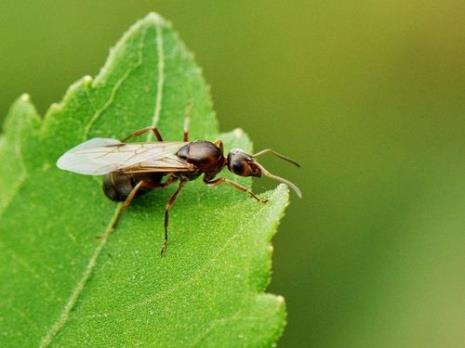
131	169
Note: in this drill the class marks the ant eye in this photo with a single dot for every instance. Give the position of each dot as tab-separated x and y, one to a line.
237	167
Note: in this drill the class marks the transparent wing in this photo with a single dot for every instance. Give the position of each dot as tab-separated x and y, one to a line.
167	163
101	156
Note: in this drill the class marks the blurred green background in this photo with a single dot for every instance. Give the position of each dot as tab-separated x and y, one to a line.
368	95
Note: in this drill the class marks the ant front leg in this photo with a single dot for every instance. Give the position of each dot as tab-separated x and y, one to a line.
141	131
168	206
237	186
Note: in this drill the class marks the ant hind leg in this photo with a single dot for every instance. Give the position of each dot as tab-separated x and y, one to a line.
141	131
168	206
122	206
187	116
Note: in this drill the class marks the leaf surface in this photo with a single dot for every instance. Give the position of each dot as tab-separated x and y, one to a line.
63	286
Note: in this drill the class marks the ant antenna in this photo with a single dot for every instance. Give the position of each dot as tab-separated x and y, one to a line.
280	179
277	154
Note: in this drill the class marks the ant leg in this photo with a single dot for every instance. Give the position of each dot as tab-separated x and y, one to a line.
187	116
185	137
171	179
127	202
168	206
186	122
237	186
141	131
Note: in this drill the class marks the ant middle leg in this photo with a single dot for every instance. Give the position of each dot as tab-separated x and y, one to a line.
237	186
170	179
168	206
141	131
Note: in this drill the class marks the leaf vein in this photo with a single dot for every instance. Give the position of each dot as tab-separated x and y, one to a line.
160	77
65	313
23	176
14	255
181	284
213	324
98	113
16	187
34	324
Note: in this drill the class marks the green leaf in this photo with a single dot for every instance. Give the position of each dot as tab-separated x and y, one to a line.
63	286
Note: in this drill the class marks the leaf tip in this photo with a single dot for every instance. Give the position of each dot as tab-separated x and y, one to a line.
84	82
155	18
282	191
25	98
21	105
23	101
87	80
238	133
151	19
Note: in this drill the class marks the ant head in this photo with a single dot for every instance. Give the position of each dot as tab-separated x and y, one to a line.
242	164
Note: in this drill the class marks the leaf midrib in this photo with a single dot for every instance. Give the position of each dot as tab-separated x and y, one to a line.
184	282
78	289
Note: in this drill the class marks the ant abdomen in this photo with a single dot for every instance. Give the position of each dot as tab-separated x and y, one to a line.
118	186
